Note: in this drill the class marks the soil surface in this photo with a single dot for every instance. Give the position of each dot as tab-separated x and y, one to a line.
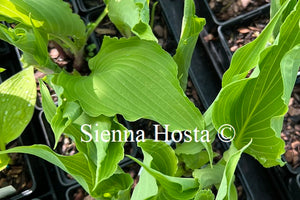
106	27
160	30
291	130
227	9
246	33
16	173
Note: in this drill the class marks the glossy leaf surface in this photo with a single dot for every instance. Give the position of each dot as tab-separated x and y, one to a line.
133	71
255	106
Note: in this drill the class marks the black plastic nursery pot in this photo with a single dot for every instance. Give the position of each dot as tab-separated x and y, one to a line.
243	29
9	61
283	178
73	5
28	170
34	173
202	70
256	180
21	170
86	6
223	12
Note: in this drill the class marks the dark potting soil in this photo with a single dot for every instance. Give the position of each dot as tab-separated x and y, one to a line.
291	130
161	30
133	169
16	173
79	194
106	27
39	75
227	9
246	33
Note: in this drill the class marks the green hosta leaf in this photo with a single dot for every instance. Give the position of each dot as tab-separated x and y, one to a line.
33	44
59	21
195	161
247	57
255	107
188	148
191	27
162	168
2	69
209	176
139	74
164	158
76	165
227	189
64	116
174	187
47	102
73	130
193	148
275	6
103	156
17	98
204	195
59	118
131	16
117	187
109	154
4	161
146	187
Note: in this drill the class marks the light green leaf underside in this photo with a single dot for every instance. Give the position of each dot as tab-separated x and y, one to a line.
162	168
164	158
175	187
191	27
146	188
118	186
103	156
227	188
247	57
131	16
195	161
59	20
64	116
252	105
17	98
209	176
139	74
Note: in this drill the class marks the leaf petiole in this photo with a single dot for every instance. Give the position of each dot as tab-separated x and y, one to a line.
93	26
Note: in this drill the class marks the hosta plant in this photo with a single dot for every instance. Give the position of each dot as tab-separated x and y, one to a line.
134	77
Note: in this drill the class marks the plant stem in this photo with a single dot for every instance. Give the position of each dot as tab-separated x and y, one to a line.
153	14
94	25
79	61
